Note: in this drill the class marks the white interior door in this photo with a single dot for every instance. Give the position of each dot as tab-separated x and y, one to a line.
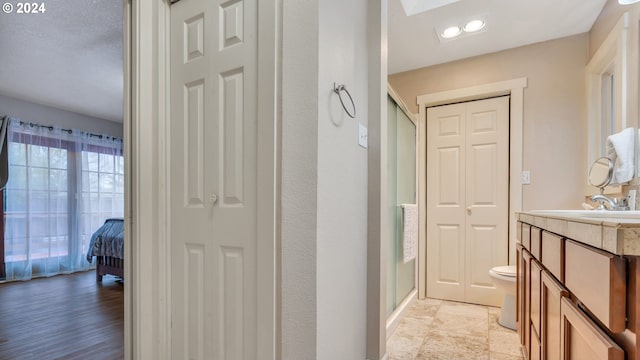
213	150
467	198
446	201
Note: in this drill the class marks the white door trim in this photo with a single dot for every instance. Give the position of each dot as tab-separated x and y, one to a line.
126	124
146	198
146	118
515	88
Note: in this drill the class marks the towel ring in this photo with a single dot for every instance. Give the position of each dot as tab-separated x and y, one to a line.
338	89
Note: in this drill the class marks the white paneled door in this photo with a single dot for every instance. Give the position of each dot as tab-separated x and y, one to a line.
467	198
214	180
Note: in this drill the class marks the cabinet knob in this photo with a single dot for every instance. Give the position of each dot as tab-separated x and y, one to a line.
213	199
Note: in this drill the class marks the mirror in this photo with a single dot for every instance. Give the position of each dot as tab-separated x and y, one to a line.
601	172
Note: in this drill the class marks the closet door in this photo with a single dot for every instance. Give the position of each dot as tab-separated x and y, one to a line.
214	180
467	198
446	201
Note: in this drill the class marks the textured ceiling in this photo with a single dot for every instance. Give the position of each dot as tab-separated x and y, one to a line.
413	42
70	57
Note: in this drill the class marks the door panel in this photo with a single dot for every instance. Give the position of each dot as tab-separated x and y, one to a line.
487	196
213	139
467	198
445	202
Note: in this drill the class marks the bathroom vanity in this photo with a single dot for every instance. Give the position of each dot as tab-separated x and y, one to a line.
578	284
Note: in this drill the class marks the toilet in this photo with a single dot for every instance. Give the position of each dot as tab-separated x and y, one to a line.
504	278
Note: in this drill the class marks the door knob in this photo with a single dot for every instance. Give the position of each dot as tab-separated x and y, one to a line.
469	209
213	199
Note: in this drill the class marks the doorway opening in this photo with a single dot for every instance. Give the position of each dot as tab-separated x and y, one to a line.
515	89
467	198
63	80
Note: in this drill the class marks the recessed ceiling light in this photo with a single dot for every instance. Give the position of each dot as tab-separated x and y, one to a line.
627	2
451	32
474	25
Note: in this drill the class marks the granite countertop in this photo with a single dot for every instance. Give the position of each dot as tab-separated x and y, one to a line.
618	234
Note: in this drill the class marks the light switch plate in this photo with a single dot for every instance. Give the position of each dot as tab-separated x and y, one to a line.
363	138
526	177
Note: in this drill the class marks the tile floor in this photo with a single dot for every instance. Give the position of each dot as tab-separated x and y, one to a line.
445	330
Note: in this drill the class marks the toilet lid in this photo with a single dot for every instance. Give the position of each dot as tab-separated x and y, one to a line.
505	270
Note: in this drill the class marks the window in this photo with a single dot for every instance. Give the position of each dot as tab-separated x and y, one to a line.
62	186
37	202
102	189
609	97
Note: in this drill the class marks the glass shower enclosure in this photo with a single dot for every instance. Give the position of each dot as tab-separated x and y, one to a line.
401	173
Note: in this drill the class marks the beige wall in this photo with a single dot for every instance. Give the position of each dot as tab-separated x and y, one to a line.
554	110
609	16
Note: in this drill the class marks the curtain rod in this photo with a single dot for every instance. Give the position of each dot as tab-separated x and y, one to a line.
70	131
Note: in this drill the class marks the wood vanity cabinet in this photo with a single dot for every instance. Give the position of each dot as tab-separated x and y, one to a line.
554	275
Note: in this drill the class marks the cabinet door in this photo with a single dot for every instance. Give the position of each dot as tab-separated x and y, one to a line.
581	339
534	292
534	352
520	272
527	301
551	293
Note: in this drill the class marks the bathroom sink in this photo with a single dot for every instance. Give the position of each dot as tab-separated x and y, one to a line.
591	213
613	214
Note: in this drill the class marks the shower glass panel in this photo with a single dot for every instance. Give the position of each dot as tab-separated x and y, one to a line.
401	189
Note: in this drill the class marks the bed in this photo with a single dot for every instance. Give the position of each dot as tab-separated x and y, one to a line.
107	245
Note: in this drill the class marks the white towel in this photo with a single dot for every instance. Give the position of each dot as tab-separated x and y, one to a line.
409	232
620	149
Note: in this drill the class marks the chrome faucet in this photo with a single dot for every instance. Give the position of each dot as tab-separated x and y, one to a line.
614	204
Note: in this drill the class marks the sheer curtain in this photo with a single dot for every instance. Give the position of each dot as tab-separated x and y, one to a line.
62	185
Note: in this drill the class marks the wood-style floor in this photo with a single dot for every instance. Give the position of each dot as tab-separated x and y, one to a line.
62	317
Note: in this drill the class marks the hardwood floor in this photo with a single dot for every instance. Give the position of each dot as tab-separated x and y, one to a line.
62	317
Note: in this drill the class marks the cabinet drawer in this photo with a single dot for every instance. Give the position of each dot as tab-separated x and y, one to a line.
519	231
597	279
582	339
536	236
526	236
553	254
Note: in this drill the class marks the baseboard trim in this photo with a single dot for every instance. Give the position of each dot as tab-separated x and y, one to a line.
394	319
